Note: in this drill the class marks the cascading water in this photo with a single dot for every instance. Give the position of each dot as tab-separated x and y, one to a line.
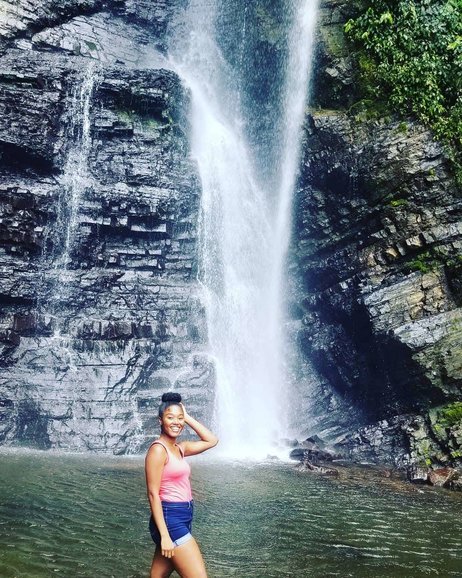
75	180
294	102
245	219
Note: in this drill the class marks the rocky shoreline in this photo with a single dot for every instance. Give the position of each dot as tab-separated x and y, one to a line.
315	456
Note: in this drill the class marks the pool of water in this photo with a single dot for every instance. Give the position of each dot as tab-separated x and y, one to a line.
86	516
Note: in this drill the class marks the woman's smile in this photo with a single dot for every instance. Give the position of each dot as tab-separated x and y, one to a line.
173	420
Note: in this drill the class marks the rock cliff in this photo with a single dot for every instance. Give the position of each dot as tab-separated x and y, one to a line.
99	206
377	253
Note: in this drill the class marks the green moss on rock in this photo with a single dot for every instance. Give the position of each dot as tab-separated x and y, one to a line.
449	415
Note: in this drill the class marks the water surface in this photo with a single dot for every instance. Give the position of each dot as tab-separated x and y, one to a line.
86	516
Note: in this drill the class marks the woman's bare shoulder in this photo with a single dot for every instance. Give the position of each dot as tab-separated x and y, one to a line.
157	452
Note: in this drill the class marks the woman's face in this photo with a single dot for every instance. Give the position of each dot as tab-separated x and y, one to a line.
172	421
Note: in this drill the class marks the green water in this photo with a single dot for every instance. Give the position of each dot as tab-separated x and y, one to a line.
86	516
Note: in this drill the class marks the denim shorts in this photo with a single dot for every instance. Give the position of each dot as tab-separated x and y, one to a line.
178	519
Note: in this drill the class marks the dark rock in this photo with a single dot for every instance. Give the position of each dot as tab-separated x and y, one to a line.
307	466
335	77
432	439
311	452
90	339
443	477
313	442
456	483
379	333
376	306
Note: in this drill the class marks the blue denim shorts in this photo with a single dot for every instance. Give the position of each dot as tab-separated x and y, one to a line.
178	519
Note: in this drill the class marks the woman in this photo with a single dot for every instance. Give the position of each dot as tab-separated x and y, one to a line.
169	491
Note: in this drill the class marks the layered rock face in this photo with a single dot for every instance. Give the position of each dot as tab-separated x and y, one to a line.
377	248
99	210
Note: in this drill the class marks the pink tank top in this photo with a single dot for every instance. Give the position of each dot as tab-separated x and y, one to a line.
174	484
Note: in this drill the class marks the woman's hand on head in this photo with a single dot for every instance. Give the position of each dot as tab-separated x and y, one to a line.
185	413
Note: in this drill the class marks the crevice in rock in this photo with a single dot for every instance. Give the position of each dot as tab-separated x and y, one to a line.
31	425
21	161
115	391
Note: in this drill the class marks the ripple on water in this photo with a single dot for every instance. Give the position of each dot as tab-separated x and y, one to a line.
87	516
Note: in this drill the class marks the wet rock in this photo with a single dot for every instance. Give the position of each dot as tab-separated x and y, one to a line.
375	296
313	450
19	19
313	442
376	306
379	443
456	483
334	73
417	474
311	455
367	316
307	466
379	321
88	345
442	477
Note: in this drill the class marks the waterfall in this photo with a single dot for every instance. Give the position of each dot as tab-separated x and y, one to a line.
295	96
245	219
75	180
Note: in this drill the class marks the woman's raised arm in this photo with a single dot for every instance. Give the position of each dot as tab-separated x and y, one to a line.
208	439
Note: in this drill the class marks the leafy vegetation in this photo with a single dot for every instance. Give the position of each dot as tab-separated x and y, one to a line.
423	263
447	416
451	415
395	203
410	60
433	259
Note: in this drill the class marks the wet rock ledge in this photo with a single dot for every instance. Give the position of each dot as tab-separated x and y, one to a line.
317	457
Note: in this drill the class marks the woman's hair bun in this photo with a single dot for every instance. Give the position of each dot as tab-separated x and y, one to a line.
171	396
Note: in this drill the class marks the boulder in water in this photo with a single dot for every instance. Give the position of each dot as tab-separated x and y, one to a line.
442	477
307	466
417	474
313	449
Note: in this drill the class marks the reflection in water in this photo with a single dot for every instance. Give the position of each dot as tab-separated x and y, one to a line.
86	516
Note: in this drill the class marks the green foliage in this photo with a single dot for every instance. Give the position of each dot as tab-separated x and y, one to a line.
410	56
425	451
398	203
433	259
425	262
146	122
450	415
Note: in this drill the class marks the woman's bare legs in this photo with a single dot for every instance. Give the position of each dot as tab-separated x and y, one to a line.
161	566
188	561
